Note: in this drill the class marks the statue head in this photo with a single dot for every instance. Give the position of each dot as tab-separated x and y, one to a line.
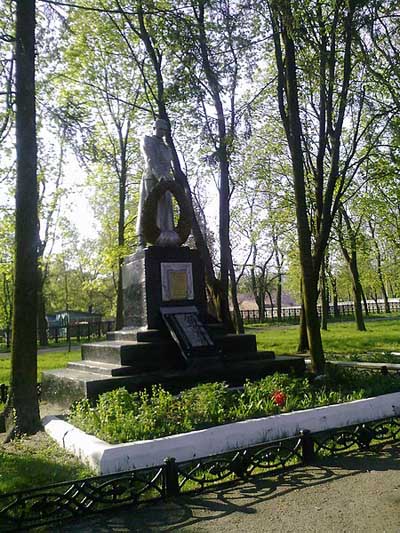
160	127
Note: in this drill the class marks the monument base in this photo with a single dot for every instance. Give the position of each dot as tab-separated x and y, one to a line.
166	338
137	360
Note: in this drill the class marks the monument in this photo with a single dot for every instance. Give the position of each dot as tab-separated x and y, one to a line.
168	337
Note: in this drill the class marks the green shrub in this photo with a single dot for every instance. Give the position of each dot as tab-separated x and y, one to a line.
206	405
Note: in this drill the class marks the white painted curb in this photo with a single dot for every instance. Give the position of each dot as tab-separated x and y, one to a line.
107	459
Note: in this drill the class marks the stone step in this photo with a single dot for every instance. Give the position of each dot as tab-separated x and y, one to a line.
238	371
132	353
96	367
249	356
67	385
141	335
236	343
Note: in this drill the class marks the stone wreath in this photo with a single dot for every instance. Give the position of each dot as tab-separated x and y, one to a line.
151	231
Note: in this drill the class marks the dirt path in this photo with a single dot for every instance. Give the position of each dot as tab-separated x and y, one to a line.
359	493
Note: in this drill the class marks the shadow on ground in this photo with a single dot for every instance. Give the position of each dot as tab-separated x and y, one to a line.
337	494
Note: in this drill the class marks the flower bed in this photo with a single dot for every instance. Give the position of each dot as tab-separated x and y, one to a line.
122	417
111	458
116	412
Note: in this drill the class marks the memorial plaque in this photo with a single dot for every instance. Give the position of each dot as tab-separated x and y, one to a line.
178	285
176	281
188	331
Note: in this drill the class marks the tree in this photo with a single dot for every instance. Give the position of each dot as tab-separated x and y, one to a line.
348	234
21	413
322	97
150	29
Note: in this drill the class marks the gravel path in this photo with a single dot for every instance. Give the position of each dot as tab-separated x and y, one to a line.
356	493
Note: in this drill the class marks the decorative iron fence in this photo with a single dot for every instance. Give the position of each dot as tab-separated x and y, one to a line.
292	314
72	499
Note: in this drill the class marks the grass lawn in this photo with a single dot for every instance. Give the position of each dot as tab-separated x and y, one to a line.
46	361
36	461
341	338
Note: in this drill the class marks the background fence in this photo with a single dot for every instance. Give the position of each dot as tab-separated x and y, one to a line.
80	330
75	331
292	314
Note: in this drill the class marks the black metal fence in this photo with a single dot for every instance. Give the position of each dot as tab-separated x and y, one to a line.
80	330
24	510
69	332
292	314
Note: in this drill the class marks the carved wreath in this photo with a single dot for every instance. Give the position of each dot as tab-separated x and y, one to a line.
151	231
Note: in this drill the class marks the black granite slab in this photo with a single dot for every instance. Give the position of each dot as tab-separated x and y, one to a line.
142	285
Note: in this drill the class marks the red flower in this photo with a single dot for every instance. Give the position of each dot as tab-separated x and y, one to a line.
279	398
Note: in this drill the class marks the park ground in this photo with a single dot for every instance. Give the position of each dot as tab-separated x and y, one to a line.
353	493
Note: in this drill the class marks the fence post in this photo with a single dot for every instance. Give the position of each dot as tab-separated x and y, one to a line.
307	446
171	478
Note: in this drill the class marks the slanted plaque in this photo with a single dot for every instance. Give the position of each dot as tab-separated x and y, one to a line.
188	331
176	282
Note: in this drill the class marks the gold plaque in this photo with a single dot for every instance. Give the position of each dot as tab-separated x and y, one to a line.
178	285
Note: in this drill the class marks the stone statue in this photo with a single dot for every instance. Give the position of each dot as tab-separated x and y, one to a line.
157	155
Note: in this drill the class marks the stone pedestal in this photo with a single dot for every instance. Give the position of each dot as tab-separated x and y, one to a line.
161	277
161	282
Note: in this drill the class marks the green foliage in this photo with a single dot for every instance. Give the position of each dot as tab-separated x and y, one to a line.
122	417
206	405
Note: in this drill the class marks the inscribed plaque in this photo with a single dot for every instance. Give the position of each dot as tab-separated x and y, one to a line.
176	281
178	284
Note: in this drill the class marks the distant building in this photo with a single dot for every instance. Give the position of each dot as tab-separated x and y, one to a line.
247	301
61	318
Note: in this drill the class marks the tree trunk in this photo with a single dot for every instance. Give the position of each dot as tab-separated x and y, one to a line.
336	311
303	346
22	409
226	262
382	282
357	295
287	80
279	297
237	315
278	263
324	299
119	316
216	288
364	299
